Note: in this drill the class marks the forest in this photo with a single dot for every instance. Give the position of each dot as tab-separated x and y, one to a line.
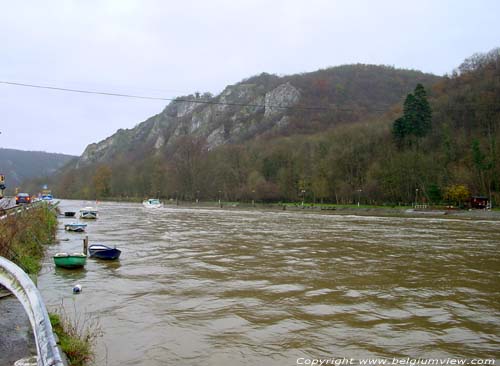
437	145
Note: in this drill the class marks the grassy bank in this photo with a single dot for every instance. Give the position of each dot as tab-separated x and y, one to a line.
76	338
23	236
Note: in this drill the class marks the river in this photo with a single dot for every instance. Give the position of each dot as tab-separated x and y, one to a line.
201	286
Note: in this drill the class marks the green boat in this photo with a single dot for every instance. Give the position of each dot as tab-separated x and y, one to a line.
65	260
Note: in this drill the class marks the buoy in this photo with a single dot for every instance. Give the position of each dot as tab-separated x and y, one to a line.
77	289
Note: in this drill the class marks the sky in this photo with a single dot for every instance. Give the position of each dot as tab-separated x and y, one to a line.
165	48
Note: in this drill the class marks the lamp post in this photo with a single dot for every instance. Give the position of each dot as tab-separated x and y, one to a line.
359	195
197	196
416	197
303	196
253	197
220	203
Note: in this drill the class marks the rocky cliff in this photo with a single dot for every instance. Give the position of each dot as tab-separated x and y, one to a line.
259	105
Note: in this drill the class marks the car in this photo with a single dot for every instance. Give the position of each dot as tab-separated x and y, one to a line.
23	198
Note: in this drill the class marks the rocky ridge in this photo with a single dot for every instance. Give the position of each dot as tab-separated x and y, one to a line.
263	104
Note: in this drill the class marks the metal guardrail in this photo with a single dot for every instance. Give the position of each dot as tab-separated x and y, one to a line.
19	283
17	209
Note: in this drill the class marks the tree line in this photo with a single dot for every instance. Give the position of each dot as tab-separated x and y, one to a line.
443	140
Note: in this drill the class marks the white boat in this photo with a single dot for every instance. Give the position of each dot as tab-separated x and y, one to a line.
75	226
152	203
88	213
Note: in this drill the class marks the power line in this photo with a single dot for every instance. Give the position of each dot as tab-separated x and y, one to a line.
181	100
215	102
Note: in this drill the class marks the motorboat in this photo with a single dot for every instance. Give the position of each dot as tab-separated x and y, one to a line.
152	203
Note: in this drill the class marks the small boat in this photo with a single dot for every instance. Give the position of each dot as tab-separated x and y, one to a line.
65	260
76	227
103	252
46	194
69	213
152	203
47	197
88	213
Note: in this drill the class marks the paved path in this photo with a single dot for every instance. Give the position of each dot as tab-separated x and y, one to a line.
16	337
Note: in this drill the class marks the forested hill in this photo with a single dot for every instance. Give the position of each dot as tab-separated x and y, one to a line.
263	105
19	166
369	145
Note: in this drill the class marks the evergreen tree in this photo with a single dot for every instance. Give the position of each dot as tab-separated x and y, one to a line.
399	131
416	119
423	113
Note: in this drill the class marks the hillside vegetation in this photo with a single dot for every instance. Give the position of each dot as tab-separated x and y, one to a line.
20	166
348	150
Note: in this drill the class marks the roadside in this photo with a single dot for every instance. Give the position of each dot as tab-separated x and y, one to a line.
16	338
22	240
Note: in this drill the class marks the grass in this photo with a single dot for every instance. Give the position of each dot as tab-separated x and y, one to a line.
22	237
77	335
22	240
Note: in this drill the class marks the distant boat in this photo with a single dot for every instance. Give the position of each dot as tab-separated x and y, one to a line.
103	252
65	260
46	194
75	226
47	197
152	203
69	213
88	213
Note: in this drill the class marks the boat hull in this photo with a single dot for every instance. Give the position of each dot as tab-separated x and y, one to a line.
103	252
89	215
69	261
75	228
153	206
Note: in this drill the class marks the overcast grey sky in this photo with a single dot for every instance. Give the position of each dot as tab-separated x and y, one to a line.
170	48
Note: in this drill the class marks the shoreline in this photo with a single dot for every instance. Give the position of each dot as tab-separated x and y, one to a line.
401	211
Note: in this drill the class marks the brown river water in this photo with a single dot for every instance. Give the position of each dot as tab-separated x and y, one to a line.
201	286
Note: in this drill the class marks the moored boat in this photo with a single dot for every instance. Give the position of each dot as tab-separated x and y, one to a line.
69	213
76	227
103	252
66	260
152	203
88	213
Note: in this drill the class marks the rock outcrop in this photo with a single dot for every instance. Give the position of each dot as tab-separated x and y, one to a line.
259	105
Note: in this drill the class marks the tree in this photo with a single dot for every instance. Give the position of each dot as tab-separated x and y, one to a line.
457	194
422	113
416	119
101	180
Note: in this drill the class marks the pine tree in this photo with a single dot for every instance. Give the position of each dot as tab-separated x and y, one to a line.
416	119
423	113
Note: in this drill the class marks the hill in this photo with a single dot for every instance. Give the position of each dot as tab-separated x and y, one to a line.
264	139
20	166
263	105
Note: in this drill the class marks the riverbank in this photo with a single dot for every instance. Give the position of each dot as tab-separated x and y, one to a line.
363	210
22	241
335	209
